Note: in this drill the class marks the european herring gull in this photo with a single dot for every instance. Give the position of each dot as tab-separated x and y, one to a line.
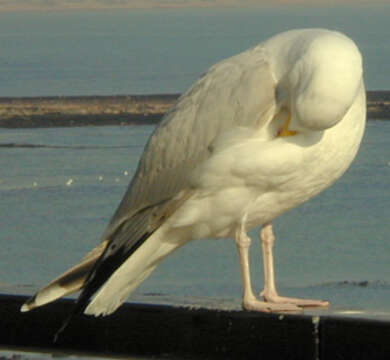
258	134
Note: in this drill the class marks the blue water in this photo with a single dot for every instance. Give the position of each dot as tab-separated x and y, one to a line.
162	51
47	225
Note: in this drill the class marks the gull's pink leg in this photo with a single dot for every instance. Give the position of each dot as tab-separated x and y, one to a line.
249	300
269	293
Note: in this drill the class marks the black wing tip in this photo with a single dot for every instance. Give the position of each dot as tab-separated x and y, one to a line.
103	269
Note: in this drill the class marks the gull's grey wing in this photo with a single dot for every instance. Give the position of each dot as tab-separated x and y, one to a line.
239	91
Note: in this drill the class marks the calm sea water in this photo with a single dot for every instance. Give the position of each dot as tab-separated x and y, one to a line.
47	225
335	247
155	51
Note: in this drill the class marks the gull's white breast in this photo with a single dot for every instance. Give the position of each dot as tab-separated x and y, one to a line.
261	177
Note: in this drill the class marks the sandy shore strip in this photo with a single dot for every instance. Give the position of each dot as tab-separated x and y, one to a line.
31	112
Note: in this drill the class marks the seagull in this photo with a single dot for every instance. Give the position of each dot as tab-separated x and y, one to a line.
257	135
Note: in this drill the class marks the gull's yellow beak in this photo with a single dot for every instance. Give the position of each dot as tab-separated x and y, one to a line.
285	131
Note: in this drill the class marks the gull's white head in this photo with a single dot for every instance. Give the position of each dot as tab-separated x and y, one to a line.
319	78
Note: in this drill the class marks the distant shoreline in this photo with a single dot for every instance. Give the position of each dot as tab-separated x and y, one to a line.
91	5
48	9
63	5
66	111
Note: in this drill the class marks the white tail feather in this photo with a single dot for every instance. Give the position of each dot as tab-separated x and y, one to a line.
67	283
131	274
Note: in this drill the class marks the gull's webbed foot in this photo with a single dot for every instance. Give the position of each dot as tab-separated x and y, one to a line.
254	304
270	293
274	298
